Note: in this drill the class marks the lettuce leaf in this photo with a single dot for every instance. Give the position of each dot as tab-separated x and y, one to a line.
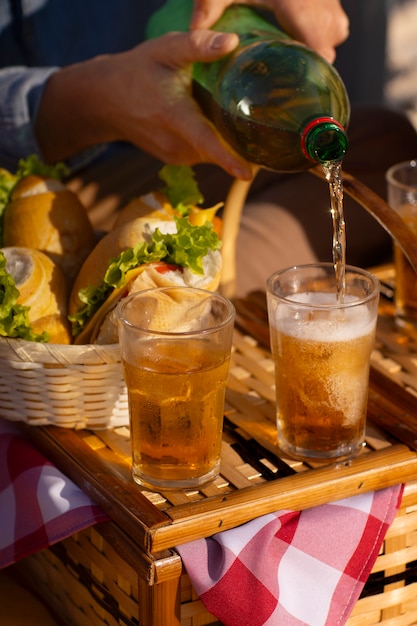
181	187
7	184
185	248
33	165
14	320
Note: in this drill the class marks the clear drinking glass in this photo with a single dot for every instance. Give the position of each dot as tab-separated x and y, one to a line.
402	197
321	345
175	347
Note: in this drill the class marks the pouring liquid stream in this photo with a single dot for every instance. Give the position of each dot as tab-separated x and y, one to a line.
332	172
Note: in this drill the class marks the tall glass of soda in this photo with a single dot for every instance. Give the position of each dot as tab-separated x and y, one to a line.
321	341
402	197
175	348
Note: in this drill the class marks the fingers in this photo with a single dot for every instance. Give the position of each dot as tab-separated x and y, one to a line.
176	129
330	29
208	146
207	12
192	144
188	137
320	24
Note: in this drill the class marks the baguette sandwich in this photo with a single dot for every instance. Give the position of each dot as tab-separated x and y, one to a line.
141	254
153	244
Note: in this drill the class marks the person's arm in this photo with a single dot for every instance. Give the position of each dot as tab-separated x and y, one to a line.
142	96
320	24
21	91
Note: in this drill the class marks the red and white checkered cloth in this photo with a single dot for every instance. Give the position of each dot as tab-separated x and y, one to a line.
291	568
39	506
286	568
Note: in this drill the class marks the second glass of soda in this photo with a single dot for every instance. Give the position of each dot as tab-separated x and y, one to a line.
321	342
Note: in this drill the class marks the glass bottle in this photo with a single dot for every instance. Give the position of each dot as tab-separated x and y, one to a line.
277	102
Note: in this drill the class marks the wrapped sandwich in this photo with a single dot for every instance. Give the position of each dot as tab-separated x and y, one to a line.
153	243
33	297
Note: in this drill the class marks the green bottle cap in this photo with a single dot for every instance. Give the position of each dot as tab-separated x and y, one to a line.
324	140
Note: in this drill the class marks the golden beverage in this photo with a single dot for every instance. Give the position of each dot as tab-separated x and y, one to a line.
176	402
405	276
322	390
321	348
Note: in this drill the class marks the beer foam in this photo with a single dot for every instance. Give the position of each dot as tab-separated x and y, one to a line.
339	324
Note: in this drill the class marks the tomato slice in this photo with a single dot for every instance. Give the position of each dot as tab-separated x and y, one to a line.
163	268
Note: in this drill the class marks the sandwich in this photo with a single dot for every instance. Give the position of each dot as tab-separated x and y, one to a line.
38	211
153	243
33	297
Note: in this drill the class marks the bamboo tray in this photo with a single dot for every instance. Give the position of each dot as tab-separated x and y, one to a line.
254	479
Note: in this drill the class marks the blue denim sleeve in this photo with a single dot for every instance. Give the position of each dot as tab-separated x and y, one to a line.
20	93
21	90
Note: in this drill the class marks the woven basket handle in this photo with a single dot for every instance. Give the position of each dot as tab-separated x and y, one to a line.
365	197
232	212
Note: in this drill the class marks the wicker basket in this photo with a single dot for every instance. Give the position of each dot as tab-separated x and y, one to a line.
83	386
87	583
69	386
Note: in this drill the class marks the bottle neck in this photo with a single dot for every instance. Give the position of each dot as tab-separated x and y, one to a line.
324	139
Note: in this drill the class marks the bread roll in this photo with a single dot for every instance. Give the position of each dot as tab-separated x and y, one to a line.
151	205
43	214
42	288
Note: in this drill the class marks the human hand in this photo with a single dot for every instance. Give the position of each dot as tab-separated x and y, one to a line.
167	121
320	24
142	96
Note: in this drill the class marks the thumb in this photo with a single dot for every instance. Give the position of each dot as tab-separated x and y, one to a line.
197	46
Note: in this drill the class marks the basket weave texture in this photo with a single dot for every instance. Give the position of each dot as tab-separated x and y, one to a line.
86	581
70	386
